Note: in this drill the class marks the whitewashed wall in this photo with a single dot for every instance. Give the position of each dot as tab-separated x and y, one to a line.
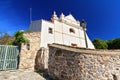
61	34
90	44
46	37
58	36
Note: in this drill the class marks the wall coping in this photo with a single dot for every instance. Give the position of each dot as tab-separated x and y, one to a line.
37	32
85	51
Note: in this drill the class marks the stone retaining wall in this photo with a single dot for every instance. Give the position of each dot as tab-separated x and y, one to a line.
29	51
66	63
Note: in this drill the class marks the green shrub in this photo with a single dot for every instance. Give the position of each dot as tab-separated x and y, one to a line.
19	38
100	44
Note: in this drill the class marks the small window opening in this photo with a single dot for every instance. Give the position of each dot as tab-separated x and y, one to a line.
72	30
73	44
28	46
50	30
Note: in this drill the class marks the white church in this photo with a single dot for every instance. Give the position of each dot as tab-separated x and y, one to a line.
64	30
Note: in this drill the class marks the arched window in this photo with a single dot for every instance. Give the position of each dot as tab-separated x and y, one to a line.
72	30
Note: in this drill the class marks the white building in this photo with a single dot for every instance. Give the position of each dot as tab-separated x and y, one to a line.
64	30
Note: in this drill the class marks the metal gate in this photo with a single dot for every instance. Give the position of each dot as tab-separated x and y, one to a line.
8	57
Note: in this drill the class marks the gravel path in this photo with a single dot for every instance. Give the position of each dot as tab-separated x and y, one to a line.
20	75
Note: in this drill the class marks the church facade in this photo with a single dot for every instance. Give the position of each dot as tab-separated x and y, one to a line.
64	30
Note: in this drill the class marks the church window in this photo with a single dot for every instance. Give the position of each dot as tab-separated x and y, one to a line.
50	30
72	30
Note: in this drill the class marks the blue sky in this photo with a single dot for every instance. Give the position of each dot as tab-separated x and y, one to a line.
102	16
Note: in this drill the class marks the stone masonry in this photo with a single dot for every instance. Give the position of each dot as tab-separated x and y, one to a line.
68	63
29	51
20	75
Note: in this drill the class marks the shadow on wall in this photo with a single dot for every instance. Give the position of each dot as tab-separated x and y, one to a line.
115	77
39	60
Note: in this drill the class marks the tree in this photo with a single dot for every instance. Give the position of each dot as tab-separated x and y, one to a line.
6	39
114	44
109	43
100	44
19	38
